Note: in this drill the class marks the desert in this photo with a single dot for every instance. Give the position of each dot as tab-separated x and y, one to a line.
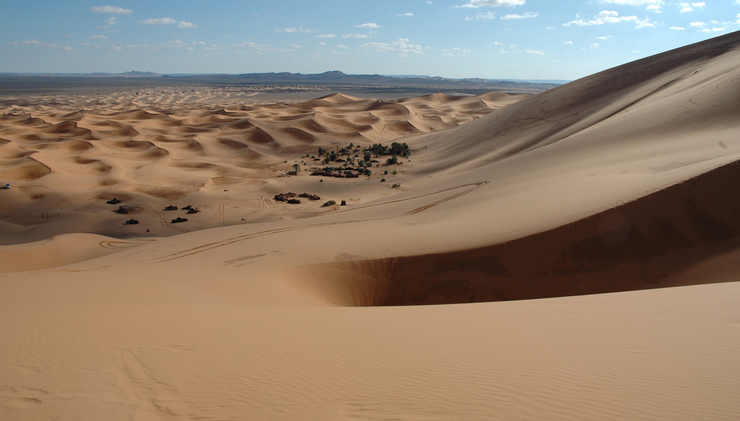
568	254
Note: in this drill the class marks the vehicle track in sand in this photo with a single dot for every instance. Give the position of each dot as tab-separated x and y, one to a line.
45	217
113	244
218	215
163	220
239	238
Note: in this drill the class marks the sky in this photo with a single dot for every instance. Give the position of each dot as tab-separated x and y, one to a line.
492	39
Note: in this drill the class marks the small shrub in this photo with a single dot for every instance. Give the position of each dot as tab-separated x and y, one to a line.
329	203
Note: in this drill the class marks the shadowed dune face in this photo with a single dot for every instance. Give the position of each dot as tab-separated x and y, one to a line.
647	243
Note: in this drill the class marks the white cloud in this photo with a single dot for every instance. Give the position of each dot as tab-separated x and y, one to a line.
263	48
111	9
157	21
406	14
35	43
568	42
594	45
677	28
355	36
328	36
645	23
400	46
651	4
174	44
112	21
712	30
98	37
697	24
298	30
689	7
341	46
524	16
186	25
40	44
493	3
605	37
605	16
132	47
368	25
536	52
481	15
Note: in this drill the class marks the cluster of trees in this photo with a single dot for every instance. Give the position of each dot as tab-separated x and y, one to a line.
394	150
397	149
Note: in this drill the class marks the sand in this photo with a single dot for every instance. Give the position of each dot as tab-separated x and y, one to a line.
570	255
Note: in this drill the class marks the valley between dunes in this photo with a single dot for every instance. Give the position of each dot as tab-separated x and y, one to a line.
569	255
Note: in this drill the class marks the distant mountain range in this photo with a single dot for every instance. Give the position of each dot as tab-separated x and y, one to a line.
337	77
330	77
27	83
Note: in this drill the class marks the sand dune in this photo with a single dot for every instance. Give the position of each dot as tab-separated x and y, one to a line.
127	139
584	245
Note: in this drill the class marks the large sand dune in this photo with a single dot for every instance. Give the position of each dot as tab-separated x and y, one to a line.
583	204
69	155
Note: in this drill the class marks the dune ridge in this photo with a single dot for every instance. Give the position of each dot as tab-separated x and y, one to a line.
127	140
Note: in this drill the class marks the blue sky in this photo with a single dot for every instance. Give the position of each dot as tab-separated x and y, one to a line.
513	39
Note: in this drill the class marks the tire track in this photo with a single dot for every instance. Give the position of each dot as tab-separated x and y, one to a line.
219	214
474	186
122	244
222	243
163	220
